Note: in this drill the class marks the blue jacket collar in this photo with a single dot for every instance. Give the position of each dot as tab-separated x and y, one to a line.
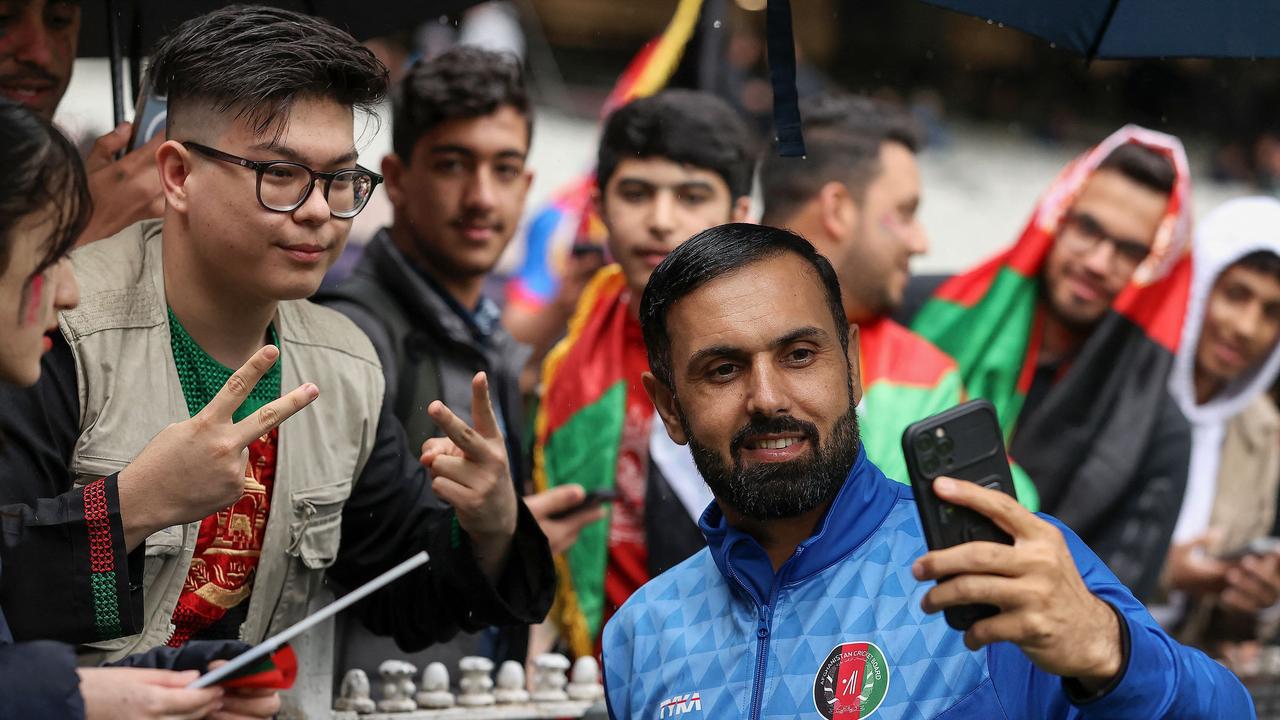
859	508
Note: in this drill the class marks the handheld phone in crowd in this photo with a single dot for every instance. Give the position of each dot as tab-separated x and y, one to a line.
965	443
592	499
149	117
1257	546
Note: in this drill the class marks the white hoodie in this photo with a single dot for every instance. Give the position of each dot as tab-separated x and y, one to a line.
1230	232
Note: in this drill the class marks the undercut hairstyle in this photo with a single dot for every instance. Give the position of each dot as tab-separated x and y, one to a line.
1261	261
683	126
44	172
843	135
1145	166
257	61
714	253
463	83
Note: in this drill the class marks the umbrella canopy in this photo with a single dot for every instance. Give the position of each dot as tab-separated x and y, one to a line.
1141	28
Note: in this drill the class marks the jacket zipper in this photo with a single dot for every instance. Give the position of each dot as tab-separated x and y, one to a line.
764	616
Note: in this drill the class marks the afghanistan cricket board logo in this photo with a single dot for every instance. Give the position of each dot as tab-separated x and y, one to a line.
852	682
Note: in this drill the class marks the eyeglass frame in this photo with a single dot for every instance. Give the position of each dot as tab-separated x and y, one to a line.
1122	248
261	166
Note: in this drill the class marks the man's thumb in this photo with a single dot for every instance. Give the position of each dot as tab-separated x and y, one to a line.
561	498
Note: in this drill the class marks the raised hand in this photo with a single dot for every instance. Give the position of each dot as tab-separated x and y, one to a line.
1045	607
124	191
194	468
470	471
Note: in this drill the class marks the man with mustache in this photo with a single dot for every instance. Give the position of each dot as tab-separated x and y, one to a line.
855	195
669	166
38	41
814	595
1071	331
457	181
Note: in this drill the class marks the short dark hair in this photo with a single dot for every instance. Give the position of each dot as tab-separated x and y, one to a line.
1262	261
259	60
1143	165
685	127
843	134
43	170
465	82
713	253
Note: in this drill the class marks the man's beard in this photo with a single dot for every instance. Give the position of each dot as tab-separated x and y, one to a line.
775	491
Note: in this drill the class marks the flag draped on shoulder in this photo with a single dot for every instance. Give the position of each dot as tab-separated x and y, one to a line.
577	432
1086	434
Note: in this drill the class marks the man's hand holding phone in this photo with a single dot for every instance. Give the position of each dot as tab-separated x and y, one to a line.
1045	607
125	190
563	511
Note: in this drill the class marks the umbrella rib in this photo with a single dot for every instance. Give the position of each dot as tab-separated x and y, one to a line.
1102	30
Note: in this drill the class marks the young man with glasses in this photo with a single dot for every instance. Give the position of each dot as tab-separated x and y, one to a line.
261	184
1071	333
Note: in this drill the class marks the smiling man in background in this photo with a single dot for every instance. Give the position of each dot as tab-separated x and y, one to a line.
669	166
38	42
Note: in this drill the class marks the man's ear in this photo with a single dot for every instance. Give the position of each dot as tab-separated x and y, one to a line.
855	363
173	162
741	210
393	178
837	211
664	400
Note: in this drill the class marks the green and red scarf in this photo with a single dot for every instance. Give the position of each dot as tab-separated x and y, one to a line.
1082	436
577	433
904	379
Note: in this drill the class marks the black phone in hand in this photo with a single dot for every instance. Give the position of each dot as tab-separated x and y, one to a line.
965	443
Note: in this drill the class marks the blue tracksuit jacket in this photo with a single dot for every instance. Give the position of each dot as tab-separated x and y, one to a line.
838	632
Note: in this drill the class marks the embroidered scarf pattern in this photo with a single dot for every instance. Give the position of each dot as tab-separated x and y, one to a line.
229	543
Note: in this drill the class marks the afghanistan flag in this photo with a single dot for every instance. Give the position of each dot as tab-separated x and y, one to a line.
576	440
1087	436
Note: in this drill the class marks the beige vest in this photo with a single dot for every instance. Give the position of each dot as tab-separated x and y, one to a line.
129	391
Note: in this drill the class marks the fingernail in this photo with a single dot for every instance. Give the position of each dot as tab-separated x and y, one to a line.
313	392
124	125
944	484
917	570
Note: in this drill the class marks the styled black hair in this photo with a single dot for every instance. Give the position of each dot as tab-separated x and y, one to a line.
843	134
1145	166
259	60
44	171
465	82
685	127
1263	261
714	253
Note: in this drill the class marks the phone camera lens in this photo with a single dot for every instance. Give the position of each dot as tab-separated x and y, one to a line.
924	443
929	464
946	445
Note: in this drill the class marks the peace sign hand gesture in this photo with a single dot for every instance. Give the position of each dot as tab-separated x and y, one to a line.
470	471
194	468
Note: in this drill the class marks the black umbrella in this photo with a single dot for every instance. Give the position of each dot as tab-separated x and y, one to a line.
1141	28
1092	28
120	28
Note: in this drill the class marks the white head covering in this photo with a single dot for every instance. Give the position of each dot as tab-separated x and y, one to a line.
1233	230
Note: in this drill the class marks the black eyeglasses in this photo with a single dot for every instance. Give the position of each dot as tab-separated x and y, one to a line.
1085	233
283	186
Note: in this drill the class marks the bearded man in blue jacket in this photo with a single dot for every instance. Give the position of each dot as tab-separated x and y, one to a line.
816	596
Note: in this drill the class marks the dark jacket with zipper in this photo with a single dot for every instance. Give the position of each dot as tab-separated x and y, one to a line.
429	351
